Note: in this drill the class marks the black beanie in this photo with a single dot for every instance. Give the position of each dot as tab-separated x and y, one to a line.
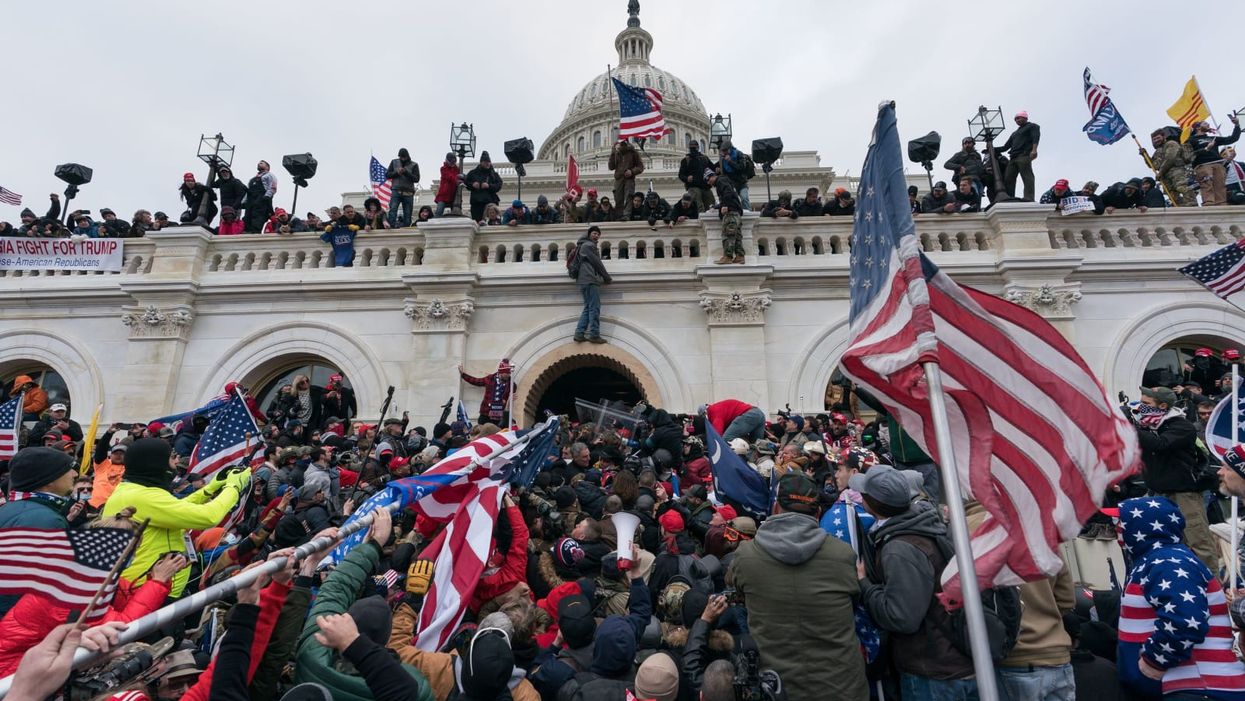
33	468
694	603
564	497
147	463
373	618
488	665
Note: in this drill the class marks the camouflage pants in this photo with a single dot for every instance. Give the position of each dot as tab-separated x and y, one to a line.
702	197
1177	185
732	235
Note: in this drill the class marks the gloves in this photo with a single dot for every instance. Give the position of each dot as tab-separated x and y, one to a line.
419	577
237	477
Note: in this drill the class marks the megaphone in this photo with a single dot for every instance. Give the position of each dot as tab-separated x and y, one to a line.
626	525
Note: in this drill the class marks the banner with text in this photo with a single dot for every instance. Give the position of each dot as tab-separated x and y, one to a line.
1077	204
61	254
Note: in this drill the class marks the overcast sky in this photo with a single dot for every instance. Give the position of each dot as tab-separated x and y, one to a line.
127	88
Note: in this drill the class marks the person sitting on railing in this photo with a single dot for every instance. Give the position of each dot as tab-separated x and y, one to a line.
140	223
686	208
1151	194
636	211
966	199
192	193
282	223
842	205
1057	193
491	216
112	227
230	224
376	217
1124	196
781	208
39	224
516	214
543	214
424	214
654	209
811	204
1091	191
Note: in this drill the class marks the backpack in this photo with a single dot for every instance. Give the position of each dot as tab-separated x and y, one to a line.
1002	609
750	168
1205	475
572	263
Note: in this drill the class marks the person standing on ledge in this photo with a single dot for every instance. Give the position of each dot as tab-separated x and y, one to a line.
496	401
590	273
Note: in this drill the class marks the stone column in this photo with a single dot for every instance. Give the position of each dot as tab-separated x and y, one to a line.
160	320
1035	272
734	299
440	307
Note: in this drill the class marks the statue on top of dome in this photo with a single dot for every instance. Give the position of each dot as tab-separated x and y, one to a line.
633	9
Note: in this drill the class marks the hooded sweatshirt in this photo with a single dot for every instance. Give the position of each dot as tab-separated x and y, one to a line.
1173	613
798	585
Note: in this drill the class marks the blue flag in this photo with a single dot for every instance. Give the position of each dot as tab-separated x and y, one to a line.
849	523
1105	125
733	479
1219	425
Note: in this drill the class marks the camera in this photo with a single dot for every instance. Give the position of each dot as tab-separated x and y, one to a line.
751	682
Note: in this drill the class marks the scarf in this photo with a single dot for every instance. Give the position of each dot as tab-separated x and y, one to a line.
1150	416
304	405
56	501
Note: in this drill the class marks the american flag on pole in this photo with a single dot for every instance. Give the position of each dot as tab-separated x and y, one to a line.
1105	125
7	196
226	441
1221	272
381	188
66	566
639	112
572	177
10	426
1037	440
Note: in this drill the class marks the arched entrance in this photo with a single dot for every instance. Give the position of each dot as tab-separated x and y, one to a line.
1177	362
267	379
605	372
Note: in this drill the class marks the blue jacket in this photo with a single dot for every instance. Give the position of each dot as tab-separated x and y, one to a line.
341	238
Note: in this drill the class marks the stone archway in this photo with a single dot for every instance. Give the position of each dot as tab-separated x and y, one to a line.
542	373
22	347
1158	326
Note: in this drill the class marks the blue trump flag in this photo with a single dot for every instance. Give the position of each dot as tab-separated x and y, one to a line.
733	479
1105	125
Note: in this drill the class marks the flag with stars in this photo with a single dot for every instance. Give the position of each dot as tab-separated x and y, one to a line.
1173	612
1221	272
639	111
1105	125
1037	440
382	189
228	440
1219	425
10	426
849	522
66	566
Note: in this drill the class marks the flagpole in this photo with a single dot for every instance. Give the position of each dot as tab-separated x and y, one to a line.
1207	103
1236	502
137	536
1150	164
88	445
983	665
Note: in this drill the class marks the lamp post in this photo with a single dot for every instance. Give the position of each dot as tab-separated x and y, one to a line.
719	130
463	143
214	151
985	126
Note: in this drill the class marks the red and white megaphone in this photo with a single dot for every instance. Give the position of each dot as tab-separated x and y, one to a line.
625	524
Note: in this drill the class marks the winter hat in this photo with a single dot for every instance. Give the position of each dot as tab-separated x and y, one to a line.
799	422
147	463
697	491
693	604
882	483
657	678
485	158
516	203
29	213
613	650
372	616
564	497
576	622
709	173
1023	113
727	512
33	468
542	200
671	521
315	482
798	493
1234	459
487	666
308	692
740	446
567	553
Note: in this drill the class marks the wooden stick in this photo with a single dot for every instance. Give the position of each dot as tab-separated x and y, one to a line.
1150	163
116	569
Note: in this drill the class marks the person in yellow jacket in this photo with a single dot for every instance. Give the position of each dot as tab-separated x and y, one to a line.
146	488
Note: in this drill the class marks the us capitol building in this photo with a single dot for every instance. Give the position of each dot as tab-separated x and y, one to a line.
190	311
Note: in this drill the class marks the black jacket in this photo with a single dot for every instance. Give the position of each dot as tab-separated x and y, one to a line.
967	203
1021	141
771	209
73	433
970	161
232	191
694	165
1169	454
804	208
727	196
691	211
655	211
1206	146
403	183
838	208
1116	197
1153	198
934	205
492	185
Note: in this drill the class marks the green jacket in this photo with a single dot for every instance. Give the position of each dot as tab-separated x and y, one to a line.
315	662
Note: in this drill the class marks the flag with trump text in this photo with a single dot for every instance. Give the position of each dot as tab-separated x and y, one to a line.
1189	109
1221	272
1036	439
639	111
67	567
1105	125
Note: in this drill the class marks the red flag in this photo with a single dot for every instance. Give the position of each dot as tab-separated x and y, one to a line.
572	177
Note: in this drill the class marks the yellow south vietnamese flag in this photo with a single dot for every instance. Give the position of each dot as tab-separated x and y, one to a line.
88	442
1190	108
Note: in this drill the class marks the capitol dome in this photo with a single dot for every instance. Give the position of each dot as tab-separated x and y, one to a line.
590	126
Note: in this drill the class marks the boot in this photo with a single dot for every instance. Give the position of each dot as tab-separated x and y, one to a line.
596	339
580	338
739	260
723	260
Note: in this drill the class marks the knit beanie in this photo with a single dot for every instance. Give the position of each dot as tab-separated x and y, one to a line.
657	678
147	463
373	618
33	468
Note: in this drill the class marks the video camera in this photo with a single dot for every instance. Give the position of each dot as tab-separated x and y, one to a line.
751	682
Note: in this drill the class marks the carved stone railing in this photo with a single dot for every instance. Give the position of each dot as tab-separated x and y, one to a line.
620	241
305	251
1190	226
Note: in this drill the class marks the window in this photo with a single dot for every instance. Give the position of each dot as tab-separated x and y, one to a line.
566	150
594	89
596	139
317	370
579	145
687	138
648	80
661	83
51	382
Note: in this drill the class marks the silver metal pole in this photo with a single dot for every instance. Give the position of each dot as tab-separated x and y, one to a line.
983	665
1235	565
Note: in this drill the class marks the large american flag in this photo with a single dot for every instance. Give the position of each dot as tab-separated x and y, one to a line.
639	112
228	440
7	196
381	189
10	426
1221	272
1037	441
67	566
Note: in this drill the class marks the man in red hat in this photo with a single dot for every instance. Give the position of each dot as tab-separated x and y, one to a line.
494	407
1204	368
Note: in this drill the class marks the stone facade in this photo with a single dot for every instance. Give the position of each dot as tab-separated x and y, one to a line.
191	311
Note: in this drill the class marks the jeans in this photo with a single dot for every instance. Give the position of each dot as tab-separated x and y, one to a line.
408	203
743	197
914	688
442	206
749	425
1037	684
590	320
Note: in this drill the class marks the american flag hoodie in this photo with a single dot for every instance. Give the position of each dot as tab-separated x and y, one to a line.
1173	614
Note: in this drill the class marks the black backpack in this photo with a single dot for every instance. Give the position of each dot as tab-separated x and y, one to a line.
1002	610
572	262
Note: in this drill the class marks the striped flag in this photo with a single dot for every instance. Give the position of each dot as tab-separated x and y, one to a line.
1105	125
7	196
573	187
461	552
1189	109
639	112
10	426
1037	440
227	440
381	189
1221	272
66	566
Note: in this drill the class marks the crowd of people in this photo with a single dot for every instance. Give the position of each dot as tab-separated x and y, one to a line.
831	592
1203	165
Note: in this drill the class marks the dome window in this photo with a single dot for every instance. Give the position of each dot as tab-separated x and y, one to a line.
661	83
594	89
596	139
579	145
648	80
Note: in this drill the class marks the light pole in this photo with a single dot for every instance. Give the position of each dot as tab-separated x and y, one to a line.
985	126
719	130
216	153
463	143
